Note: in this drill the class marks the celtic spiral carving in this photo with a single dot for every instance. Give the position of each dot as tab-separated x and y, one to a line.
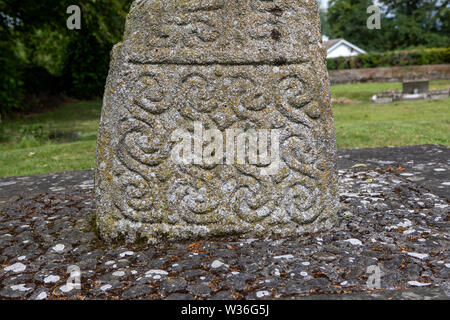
149	94
261	162
144	146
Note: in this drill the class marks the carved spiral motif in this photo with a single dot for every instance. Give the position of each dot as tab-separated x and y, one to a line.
136	189
300	201
149	94
139	197
244	93
194	200
251	203
294	91
197	96
233	101
205	31
300	156
298	101
145	142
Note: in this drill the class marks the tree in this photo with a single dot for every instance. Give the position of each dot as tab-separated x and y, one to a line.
35	38
86	61
404	24
348	19
417	23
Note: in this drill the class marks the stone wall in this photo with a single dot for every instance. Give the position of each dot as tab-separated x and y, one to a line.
394	74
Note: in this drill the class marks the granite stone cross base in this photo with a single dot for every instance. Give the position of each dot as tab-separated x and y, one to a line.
391	241
245	82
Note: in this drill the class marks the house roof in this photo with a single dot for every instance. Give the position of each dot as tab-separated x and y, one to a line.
330	43
334	43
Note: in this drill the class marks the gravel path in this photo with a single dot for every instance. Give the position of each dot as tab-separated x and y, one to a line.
391	223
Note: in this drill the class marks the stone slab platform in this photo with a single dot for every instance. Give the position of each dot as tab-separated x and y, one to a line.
394	215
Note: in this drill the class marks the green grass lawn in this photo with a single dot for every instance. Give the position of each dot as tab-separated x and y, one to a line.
367	124
364	91
60	140
65	139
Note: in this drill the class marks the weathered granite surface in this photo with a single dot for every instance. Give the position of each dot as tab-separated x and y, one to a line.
388	219
425	165
243	65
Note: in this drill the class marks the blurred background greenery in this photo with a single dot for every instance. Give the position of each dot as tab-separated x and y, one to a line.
41	59
52	78
406	24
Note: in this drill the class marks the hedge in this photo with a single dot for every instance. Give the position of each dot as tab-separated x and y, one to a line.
391	59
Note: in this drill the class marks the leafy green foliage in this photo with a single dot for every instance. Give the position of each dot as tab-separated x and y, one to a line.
85	67
11	91
86	64
404	24
348	19
39	54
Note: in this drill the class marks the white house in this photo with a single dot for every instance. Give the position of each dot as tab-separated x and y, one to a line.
341	48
